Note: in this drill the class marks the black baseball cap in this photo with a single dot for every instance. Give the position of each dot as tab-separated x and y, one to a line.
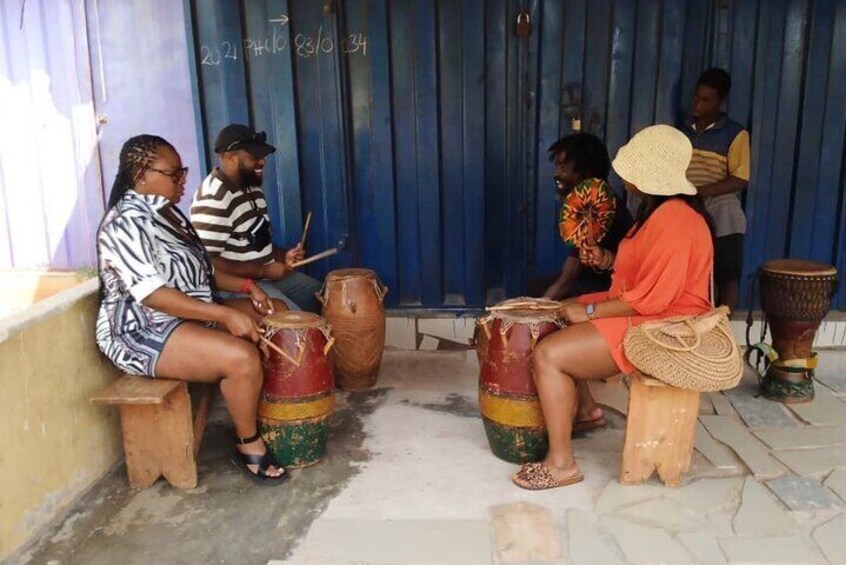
235	137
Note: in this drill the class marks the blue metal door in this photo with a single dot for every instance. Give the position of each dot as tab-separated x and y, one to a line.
416	131
404	126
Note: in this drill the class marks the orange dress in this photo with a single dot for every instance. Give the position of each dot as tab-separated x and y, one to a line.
663	271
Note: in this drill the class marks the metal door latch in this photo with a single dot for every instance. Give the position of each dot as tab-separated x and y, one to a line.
524	24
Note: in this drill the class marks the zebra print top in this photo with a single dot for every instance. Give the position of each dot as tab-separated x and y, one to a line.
144	243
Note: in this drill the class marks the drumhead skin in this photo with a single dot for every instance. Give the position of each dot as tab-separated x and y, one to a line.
293	319
798	267
341	274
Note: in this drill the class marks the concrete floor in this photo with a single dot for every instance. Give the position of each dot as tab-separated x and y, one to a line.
409	479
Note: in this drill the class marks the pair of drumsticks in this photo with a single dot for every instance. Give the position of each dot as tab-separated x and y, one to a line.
306	261
318	256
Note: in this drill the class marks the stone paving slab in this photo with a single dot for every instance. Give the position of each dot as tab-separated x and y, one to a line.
832	370
829	538
586	543
825	409
802	437
734	434
800	493
814	463
664	514
704	547
835	381
643	545
616	496
523	531
721	404
717	453
837	483
791	550
708	495
410	542
760	513
705	405
759	412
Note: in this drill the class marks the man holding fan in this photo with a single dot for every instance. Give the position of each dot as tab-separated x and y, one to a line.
229	212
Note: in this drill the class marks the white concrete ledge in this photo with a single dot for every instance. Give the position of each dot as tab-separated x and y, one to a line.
59	302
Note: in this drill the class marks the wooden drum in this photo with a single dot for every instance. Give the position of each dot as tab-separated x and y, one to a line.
508	399
297	396
795	297
352	303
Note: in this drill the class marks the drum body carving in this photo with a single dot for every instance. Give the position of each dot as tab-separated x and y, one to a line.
508	400
297	395
795	297
353	305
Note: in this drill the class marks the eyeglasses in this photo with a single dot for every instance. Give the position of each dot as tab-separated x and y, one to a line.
259	137
178	175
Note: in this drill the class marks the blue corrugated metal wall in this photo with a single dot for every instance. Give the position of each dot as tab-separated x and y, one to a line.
416	130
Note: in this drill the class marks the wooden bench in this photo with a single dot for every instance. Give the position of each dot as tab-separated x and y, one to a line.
159	436
660	430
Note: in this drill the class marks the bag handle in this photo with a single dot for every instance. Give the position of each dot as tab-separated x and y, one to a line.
692	348
683	349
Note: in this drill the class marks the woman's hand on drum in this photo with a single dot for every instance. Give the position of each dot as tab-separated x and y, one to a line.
573	313
240	324
261	301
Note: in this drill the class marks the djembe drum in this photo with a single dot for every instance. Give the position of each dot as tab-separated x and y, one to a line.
353	305
297	395
795	297
508	400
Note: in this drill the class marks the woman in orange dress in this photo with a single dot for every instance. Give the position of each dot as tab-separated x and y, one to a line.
662	269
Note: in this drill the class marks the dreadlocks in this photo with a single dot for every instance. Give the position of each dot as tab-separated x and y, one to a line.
135	155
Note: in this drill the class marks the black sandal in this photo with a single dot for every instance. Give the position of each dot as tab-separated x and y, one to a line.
241	460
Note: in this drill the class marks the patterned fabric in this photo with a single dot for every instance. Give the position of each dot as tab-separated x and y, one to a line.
719	151
588	212
145	243
233	223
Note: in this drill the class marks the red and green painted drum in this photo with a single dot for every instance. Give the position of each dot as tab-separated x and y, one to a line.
508	399
297	395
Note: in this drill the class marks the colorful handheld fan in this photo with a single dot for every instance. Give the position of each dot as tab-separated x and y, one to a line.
587	213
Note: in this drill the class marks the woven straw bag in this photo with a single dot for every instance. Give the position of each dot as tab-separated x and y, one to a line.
690	352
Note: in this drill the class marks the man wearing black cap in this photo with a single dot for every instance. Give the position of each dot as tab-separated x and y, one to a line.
229	213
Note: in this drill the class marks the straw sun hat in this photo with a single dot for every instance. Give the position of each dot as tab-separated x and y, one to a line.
655	160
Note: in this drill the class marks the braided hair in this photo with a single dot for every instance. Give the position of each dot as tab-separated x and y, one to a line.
135	155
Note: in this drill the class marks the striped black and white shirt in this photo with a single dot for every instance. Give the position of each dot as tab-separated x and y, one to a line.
224	216
145	243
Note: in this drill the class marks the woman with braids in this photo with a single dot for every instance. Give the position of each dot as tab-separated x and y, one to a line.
158	314
662	269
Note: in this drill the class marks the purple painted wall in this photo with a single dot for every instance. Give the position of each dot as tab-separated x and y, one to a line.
50	197
142	80
77	78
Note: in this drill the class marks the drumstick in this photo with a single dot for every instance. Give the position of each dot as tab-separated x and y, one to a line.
272	346
321	255
278	350
305	230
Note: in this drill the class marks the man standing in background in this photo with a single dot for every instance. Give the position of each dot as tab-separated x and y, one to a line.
720	170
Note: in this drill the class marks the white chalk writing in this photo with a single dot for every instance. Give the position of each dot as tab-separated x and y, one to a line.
302	45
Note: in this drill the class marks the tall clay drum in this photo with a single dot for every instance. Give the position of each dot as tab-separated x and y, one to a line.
353	305
508	400
297	396
795	296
